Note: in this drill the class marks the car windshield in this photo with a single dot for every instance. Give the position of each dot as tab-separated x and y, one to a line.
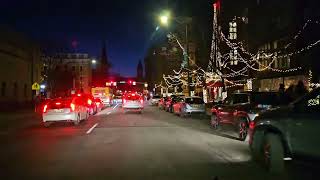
59	103
194	101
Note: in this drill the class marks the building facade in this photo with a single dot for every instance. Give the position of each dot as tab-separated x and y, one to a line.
68	71
20	67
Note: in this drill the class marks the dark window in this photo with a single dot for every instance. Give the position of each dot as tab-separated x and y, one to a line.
66	67
80	68
3	89
73	68
240	98
57	68
25	90
194	101
15	89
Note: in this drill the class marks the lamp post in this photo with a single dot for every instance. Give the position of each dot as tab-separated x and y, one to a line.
164	20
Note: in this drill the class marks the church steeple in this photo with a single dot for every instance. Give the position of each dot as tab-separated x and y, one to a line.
105	64
140	71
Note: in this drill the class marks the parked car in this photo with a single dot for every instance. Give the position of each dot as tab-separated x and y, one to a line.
189	105
133	101
241	108
65	109
155	100
290	132
162	102
172	100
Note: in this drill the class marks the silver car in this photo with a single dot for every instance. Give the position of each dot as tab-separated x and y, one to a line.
133	101
68	109
155	100
189	105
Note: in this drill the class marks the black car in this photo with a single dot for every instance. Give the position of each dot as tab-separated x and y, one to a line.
287	133
241	108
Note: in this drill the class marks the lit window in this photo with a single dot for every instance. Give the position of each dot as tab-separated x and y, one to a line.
232	30
234	57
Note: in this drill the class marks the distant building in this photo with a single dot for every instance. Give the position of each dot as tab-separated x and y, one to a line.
20	67
68	71
274	33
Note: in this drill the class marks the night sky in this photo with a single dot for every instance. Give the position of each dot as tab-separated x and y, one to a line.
127	26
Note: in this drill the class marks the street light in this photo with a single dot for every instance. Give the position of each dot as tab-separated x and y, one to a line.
164	20
93	61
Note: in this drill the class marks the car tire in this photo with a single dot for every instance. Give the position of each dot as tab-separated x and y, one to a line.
273	153
243	130
46	124
77	121
214	122
257	146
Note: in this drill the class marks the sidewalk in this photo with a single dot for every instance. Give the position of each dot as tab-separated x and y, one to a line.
15	120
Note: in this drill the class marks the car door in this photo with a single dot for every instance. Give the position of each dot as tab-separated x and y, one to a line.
304	126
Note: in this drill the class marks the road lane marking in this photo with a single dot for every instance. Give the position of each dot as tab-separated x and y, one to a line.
91	129
115	106
108	113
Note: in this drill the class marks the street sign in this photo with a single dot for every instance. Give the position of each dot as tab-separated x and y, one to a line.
35	86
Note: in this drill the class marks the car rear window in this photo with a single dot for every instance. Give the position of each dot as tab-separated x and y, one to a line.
194	101
265	98
240	98
133	97
156	97
59	104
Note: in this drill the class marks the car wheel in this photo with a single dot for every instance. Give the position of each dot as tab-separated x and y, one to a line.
46	124
257	145
214	122
77	121
273	153
243	130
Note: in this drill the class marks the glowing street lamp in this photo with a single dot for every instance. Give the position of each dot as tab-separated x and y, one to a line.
93	61
164	18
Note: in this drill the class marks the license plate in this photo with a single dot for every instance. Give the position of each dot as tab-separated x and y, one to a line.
58	110
196	106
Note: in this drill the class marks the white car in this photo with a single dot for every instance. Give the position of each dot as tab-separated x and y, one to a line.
189	105
68	109
133	101
117	100
155	100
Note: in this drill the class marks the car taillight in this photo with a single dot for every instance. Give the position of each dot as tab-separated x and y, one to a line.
141	101
89	101
72	106
45	108
98	103
252	124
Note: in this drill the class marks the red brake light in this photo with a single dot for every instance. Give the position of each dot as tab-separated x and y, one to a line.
251	125
45	108
79	95
89	101
133	94
98	103
73	107
141	101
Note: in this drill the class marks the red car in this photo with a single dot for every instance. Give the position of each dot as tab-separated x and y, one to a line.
90	102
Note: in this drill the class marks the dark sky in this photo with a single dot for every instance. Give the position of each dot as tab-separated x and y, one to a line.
126	25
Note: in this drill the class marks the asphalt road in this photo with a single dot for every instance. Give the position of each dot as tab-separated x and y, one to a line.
118	145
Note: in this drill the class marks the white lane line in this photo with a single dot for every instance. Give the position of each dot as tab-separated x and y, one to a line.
108	113
115	106
91	129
